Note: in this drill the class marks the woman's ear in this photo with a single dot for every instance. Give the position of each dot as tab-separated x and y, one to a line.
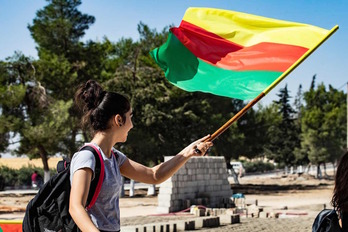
118	120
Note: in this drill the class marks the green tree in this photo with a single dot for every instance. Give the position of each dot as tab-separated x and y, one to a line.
65	62
35	119
323	124
301	157
283	134
253	128
41	112
59	26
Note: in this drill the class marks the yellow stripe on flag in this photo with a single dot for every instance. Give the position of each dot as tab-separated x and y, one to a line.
247	29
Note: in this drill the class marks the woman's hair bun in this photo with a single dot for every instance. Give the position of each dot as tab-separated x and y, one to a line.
89	95
98	106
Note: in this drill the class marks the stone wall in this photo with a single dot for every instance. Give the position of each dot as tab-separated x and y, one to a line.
201	181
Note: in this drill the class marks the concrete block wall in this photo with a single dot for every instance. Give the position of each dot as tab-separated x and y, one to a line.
201	181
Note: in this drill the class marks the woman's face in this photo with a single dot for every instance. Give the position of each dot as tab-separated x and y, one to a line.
127	125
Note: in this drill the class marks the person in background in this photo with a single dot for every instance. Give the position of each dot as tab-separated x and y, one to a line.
340	195
34	177
36	180
109	115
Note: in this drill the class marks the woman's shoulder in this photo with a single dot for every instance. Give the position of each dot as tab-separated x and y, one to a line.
83	156
120	157
114	150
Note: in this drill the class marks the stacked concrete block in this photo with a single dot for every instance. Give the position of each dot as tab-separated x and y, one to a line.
201	181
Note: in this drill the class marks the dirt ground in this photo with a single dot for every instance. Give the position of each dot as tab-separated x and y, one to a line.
292	192
295	193
299	199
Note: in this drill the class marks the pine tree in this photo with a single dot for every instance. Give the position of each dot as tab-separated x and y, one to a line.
283	135
59	26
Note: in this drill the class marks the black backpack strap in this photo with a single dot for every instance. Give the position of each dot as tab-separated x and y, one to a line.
62	164
96	183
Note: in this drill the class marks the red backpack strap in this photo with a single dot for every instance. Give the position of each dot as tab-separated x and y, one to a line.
115	154
99	173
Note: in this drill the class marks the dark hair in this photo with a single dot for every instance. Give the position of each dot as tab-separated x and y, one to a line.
340	195
98	106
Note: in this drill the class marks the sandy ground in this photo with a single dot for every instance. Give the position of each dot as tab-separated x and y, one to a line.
298	199
17	163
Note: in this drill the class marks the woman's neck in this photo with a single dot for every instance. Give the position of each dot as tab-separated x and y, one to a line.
104	141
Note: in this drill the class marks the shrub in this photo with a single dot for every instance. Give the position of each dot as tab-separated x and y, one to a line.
8	176
14	178
24	174
258	166
2	183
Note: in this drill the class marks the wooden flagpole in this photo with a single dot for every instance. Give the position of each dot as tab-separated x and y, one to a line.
268	89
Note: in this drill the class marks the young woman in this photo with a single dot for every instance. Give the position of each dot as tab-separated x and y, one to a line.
109	115
340	195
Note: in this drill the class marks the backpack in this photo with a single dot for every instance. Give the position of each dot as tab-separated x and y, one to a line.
48	211
327	221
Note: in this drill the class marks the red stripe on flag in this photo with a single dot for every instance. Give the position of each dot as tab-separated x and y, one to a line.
262	56
207	46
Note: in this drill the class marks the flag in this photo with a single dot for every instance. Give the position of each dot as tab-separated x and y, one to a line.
233	54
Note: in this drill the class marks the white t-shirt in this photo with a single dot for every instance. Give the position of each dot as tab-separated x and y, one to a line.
105	213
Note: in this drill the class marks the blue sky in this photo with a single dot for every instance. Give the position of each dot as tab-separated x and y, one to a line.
116	19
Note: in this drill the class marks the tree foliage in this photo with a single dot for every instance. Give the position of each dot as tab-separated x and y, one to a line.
28	113
323	124
59	26
283	134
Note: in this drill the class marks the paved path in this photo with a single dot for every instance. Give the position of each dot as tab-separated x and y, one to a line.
268	224
298	224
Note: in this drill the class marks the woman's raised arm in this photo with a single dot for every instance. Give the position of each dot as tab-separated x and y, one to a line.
163	171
